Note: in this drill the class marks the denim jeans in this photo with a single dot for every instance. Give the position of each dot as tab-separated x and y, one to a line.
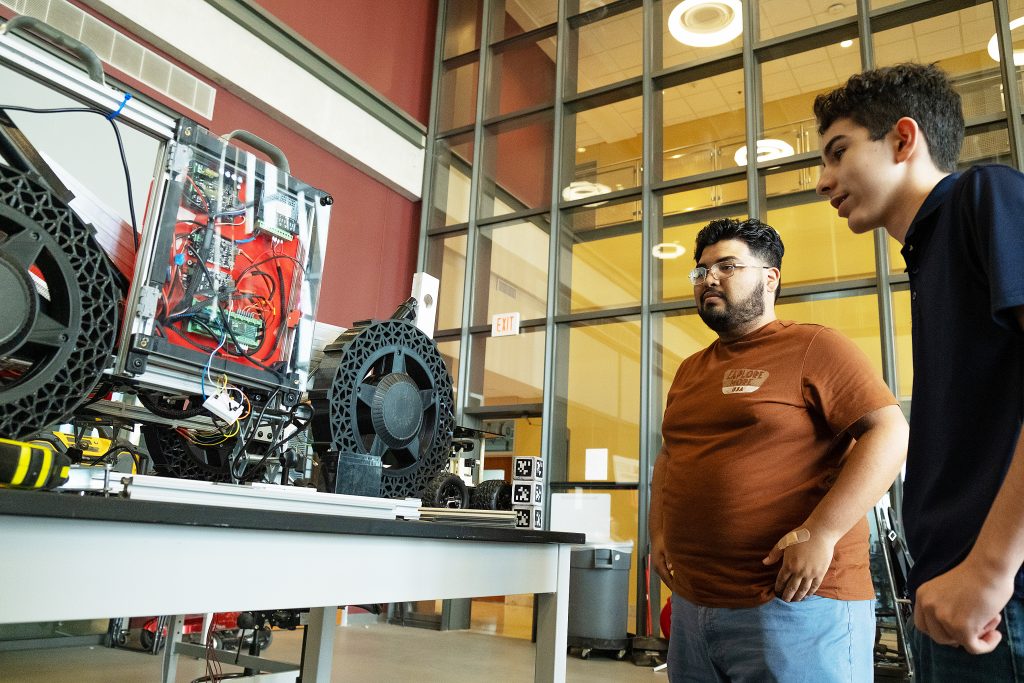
934	662
815	640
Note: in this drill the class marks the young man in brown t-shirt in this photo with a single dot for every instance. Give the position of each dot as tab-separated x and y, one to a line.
778	439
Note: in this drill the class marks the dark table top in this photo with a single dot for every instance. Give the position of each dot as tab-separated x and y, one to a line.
114	509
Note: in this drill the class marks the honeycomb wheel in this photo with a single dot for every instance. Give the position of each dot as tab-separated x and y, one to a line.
59	311
383	389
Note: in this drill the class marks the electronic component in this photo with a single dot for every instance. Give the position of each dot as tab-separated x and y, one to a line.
209	190
278	215
221	252
246	329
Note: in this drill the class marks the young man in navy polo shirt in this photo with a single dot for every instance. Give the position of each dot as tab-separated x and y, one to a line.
890	143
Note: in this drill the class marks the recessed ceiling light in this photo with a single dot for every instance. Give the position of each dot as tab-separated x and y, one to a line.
667	250
581	189
581	150
836	8
676	156
846	43
993	49
766	151
706	23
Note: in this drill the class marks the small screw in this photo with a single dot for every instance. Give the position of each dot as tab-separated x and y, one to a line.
326	200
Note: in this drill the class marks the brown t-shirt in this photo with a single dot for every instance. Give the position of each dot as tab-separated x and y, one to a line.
755	435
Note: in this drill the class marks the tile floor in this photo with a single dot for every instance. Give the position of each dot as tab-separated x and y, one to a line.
496	648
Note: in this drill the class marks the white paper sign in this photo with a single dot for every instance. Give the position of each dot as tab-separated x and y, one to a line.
597	464
505	324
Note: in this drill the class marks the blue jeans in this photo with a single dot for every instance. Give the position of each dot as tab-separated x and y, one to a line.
934	662
815	640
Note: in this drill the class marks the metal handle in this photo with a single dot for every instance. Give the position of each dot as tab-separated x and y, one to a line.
256	142
89	59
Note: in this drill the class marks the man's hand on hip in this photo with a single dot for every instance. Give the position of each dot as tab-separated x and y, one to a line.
805	559
660	560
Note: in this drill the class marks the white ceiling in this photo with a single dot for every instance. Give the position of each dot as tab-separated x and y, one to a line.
611	51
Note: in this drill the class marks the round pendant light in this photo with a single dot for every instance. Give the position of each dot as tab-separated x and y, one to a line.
706	23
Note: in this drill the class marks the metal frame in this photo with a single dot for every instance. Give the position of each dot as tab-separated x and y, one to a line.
651	308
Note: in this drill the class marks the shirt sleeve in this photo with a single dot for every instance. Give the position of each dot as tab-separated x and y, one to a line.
994	196
839	382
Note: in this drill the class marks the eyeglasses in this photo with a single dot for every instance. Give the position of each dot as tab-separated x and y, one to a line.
721	271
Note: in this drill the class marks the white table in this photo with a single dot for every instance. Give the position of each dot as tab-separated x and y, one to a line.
283	560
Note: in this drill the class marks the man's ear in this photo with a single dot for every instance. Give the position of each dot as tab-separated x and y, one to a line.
907	139
774	275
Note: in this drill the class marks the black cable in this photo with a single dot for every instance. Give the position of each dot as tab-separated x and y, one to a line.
154	407
120	147
275	446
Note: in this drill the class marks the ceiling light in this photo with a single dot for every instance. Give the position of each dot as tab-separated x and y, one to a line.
993	49
667	250
836	8
581	150
581	189
766	151
846	43
676	156
706	23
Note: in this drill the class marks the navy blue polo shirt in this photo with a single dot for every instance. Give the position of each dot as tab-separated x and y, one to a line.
965	259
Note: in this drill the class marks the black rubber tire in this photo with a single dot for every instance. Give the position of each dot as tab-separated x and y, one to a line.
446	490
146	640
493	494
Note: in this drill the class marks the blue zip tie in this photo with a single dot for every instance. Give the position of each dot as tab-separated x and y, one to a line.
113	115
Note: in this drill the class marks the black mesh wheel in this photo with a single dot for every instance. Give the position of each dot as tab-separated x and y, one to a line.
174	456
383	389
59	311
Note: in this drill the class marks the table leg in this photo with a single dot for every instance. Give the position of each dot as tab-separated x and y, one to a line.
174	633
553	625
319	649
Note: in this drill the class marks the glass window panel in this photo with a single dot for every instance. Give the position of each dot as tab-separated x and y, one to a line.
446	260
790	182
602	397
512	270
958	43
517	171
600	257
606	51
513	17
703	125
854	316
790	85
780	17
701	24
462	26
453	162
1016	11
673	254
449	350
904	344
522	76
986	148
619	514
819	245
456	105
608	144
507	370
677	337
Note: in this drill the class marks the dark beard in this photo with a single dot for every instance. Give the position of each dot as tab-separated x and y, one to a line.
732	316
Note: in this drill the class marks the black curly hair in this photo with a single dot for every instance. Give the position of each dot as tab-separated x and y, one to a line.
877	99
762	240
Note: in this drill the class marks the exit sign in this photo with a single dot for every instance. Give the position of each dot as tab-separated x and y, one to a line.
505	324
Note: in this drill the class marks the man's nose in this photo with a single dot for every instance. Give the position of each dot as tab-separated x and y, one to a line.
824	186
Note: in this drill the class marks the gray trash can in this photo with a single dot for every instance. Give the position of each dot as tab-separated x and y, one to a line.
599	597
